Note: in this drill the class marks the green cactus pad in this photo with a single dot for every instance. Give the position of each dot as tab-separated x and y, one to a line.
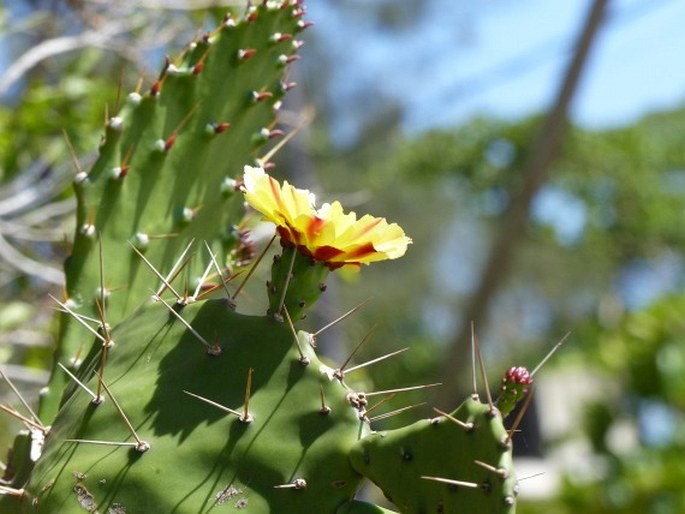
301	277
166	162
476	453
292	457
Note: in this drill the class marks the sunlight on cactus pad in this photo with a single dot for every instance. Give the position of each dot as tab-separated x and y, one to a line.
327	234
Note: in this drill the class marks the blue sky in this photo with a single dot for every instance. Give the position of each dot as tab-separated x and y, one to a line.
459	58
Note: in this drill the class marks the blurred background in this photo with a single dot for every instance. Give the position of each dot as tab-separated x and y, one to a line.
533	150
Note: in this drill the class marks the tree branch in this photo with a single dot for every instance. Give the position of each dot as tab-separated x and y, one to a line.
544	150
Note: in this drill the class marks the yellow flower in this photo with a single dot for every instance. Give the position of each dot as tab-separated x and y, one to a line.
326	234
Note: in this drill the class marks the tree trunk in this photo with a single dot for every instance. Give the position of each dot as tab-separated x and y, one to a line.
544	150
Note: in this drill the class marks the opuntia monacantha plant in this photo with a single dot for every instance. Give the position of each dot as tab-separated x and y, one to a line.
164	397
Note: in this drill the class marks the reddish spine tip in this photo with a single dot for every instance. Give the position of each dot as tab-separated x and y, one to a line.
197	69
292	58
275	133
246	53
221	127
302	25
261	96
169	142
155	88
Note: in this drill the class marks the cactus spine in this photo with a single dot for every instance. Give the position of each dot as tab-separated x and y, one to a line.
163	397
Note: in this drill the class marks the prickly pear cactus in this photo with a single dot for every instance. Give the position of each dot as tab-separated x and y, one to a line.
165	398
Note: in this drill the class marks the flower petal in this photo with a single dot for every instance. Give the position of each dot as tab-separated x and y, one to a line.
328	234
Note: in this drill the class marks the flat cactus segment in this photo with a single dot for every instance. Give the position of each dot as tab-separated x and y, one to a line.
443	465
165	166
286	454
297	282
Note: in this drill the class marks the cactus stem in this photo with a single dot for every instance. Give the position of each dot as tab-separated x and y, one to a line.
141	445
374	361
165	283
519	416
246	417
254	267
78	318
20	397
304	360
500	472
221	276
376	406
404	389
288	276
81	384
466	426
298	483
11	491
394	412
24	419
449	481
215	404
325	409
550	353
340	318
210	348
340	372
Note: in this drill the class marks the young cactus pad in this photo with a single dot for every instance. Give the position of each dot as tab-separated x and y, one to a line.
457	463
